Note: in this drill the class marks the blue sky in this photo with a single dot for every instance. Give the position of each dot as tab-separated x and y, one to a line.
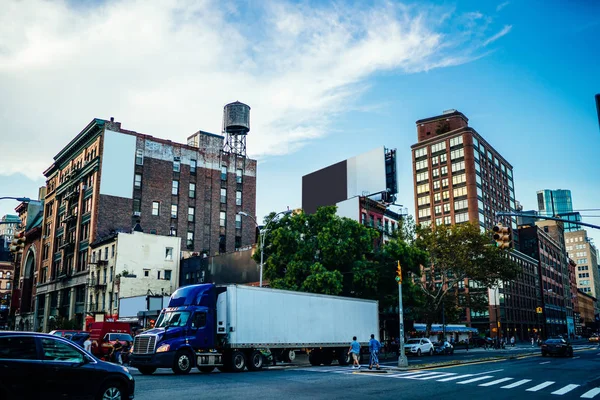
326	81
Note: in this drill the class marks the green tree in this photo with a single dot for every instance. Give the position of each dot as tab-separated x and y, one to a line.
321	253
456	253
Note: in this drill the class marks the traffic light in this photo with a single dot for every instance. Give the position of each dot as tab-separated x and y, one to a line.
502	236
399	273
18	243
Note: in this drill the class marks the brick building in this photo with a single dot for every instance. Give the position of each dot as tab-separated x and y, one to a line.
587	305
544	241
108	178
459	177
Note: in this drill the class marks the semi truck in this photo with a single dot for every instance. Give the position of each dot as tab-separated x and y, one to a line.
233	327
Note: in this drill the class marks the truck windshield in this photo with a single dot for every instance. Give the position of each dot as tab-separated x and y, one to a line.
173	318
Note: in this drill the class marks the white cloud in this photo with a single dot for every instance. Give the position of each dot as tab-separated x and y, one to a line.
498	35
166	68
502	5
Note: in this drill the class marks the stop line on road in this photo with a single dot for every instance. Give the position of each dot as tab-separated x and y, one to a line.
484	379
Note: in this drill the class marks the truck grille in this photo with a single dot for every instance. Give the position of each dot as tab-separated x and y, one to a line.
144	344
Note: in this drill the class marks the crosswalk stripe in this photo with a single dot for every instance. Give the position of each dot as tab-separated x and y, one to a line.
409	374
479	378
564	390
440	375
422	375
590	394
497	381
517	383
540	386
454	377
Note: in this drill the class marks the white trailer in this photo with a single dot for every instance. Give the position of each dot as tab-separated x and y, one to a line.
279	319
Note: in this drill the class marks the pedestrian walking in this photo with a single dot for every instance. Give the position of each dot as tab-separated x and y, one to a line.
512	341
532	341
87	345
374	347
355	352
467	344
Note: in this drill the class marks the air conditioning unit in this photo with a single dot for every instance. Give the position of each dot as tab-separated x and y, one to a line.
137	213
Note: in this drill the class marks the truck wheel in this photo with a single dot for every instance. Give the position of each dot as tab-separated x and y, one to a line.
238	361
289	355
327	357
146	370
183	363
205	369
315	357
343	357
256	361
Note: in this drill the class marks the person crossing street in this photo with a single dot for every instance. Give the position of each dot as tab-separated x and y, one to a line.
374	347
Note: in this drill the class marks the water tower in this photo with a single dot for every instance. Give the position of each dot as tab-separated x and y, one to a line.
236	125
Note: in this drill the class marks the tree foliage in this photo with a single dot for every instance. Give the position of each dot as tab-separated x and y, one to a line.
320	253
456	253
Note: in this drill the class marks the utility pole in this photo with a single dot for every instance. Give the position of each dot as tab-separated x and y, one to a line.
402	360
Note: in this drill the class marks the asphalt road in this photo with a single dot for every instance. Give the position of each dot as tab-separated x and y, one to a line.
527	376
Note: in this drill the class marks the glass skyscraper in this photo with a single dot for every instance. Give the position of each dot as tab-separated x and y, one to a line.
560	204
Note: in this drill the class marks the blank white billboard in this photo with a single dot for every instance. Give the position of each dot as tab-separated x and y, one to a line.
118	164
366	173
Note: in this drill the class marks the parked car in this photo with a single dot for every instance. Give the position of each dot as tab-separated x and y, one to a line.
418	346
58	368
479	341
444	348
65	333
594	338
559	347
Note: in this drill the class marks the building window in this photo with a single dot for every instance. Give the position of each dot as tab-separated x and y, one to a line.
457	154
445	183
176	165
223	195
456	141
436	185
438	147
238	175
110	279
459	166
444	170
238	221
224	172
363	218
458	179
423	201
146	272
173	231
238	198
443	158
175	188
422	152
222	218
192	190
448	220
421	164
437	197
461	204
190	240
139	157
423	176
168	275
462	217
106	253
446	208
193	166
169	254
435	173
173	210
438	210
426	212
423	189
157	274
222	244
138	181
191	214
137	205
238	242
155	208
112	251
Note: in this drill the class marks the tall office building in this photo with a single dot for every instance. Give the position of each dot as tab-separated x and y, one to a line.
460	177
560	204
584	253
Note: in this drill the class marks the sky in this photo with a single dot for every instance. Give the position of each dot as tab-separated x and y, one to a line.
326	81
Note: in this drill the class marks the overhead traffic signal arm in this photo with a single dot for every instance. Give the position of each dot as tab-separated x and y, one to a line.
502	236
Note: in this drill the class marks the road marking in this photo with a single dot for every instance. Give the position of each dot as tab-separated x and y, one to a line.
416	376
590	393
545	362
492	383
441	374
479	378
540	386
575	358
454	377
517	383
409	374
564	390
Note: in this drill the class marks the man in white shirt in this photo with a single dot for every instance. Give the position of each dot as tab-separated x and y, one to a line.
87	345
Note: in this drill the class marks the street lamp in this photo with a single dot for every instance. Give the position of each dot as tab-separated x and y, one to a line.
262	235
21	199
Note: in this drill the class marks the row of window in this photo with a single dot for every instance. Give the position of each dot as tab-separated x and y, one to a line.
582	268
5	276
584	275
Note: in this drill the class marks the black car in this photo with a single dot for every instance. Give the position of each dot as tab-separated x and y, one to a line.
36	365
559	347
479	341
443	348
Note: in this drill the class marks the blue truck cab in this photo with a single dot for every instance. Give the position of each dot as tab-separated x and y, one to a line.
184	331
